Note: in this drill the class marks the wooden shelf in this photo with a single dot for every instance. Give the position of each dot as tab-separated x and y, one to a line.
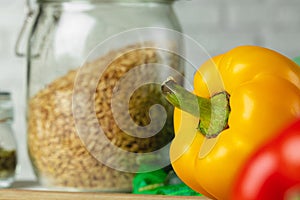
22	194
32	190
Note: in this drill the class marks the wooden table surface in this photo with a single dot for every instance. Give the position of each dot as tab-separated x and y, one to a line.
22	191
22	194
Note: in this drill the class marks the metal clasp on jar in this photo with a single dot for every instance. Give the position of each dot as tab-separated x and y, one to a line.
21	43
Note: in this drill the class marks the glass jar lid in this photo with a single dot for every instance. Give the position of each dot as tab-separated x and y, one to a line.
112	1
6	106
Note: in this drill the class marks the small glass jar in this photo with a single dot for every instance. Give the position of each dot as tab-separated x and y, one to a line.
95	111
8	150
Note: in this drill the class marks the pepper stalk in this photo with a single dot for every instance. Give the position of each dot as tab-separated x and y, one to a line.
212	112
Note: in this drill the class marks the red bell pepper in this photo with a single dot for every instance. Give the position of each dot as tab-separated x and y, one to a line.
273	172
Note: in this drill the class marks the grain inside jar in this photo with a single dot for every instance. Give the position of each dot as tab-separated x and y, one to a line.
59	156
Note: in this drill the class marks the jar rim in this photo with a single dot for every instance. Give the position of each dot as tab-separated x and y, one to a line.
6	107
108	1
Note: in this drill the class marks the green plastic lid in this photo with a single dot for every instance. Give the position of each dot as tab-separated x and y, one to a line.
297	60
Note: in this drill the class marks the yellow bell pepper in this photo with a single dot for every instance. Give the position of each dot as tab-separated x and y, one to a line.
262	95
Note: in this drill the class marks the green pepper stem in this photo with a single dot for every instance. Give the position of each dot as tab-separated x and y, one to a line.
212	112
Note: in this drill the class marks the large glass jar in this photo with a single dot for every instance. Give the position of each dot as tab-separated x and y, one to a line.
95	112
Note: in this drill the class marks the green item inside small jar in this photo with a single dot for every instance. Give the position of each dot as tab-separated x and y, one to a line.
8	162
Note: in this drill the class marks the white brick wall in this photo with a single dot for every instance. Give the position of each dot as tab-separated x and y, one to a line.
12	75
218	25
